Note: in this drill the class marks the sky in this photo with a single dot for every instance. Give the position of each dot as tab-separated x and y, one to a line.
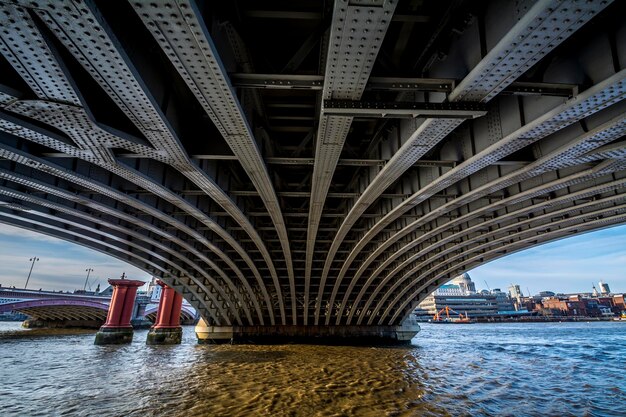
61	266
568	265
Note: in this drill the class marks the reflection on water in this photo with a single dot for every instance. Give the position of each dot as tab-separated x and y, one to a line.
479	369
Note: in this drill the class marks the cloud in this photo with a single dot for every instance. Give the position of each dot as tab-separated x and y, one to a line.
61	266
8	232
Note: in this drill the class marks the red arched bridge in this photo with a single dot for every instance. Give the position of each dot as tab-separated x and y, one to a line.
65	309
53	309
311	164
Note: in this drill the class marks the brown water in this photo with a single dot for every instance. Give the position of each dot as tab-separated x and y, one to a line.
501	369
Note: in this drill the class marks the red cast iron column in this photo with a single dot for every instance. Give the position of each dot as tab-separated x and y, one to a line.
177	305
117	328
166	329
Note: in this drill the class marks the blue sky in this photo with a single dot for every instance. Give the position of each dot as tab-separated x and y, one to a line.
61	264
568	265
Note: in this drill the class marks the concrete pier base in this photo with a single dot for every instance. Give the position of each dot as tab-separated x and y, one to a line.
114	336
331	335
165	336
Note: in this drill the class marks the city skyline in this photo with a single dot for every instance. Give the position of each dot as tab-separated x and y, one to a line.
568	266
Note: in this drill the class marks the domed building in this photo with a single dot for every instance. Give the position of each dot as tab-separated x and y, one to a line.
464	281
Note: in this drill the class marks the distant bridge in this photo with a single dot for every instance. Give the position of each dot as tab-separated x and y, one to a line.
187	314
51	305
59	309
315	163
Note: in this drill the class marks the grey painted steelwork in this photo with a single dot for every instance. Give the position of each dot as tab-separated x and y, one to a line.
313	163
356	34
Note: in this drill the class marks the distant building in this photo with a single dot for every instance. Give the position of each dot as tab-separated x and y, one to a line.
460	295
515	292
465	283
502	300
604	288
572	306
471	305
619	302
450	289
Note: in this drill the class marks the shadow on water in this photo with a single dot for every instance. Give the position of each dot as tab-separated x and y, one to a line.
241	356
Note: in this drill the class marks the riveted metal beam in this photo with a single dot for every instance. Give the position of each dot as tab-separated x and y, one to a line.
357	32
403	110
180	30
482	84
399	306
115	214
559	158
587	175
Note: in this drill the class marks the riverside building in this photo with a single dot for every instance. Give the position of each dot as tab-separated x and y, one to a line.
460	295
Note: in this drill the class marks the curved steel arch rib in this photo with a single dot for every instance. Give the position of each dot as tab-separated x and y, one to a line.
562	157
495	254
457	249
514	47
354	27
125	87
25	159
107	249
104	239
591	101
138	224
100	224
463	237
215	94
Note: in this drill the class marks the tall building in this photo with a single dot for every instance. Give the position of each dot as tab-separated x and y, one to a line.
604	288
515	292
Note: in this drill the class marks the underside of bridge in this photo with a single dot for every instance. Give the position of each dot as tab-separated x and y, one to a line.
311	163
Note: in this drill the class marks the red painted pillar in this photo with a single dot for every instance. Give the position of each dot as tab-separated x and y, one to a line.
167	329
177	305
116	306
117	328
165	306
170	304
129	304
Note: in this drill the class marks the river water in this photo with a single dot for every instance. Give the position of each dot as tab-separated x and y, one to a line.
542	369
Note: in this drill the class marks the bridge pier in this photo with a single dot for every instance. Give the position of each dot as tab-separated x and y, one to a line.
117	328
167	329
332	335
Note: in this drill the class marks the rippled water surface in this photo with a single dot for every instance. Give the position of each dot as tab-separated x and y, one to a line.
480	369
